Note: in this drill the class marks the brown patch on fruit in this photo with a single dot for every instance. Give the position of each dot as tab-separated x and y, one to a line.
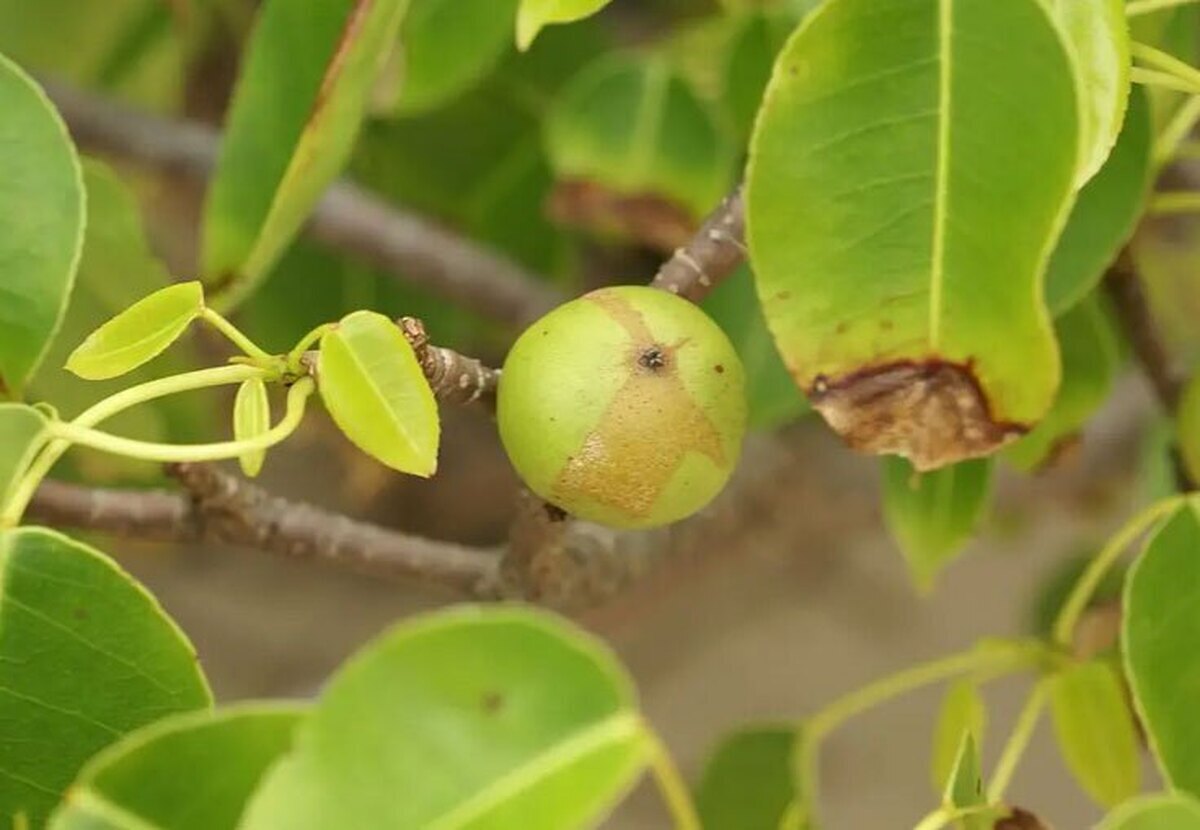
646	218
933	413
649	426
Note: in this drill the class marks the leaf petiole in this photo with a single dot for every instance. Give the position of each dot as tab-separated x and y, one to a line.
297	397
306	342
235	336
1022	732
671	784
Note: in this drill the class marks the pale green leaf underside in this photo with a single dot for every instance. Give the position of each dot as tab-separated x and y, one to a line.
251	418
67	612
139	333
41	225
535	15
377	394
295	114
1095	731
1161	626
909	174
498	719
1175	811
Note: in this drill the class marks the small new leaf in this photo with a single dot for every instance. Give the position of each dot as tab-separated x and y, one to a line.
964	789
748	782
962	713
139	333
377	394
22	434
251	418
1095	731
535	15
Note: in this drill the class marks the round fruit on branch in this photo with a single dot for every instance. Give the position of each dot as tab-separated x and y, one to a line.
624	407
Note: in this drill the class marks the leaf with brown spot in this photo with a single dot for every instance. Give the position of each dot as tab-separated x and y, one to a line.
295	114
910	173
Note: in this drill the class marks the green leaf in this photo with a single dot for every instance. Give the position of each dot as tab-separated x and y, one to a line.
448	47
377	394
893	132
962	713
1095	731
1160	629
498	718
628	124
139	333
97	658
41	225
1187	428
748	783
22	435
1174	811
251	418
1055	585
295	113
964	787
756	41
535	15
1098	38
1090	358
194	771
932	515
771	394
1106	213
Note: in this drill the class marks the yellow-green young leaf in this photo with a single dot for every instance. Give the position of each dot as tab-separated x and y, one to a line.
251	418
964	787
1098	38
377	394
504	718
194	771
22	434
962	713
1174	811
41	225
748	782
535	15
296	110
97	658
932	515
891	133
1188	428
447	46
139	333
1160	629
628	124
1090	357
1106	212
1095	731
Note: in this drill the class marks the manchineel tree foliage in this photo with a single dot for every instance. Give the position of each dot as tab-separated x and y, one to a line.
933	193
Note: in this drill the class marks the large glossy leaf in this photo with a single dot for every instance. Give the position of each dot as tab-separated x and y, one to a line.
295	114
377	394
1175	811
1187	428
1106	213
535	15
631	126
1098	37
771	395
448	46
139	333
893	132
86	655
1160	629
251	418
748	782
194	771
1095	731
41	225
22	434
962	713
498	718
1090	359
932	515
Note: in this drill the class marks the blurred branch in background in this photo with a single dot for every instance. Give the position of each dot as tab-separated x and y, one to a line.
349	218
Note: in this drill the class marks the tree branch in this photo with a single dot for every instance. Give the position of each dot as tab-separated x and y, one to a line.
713	254
402	244
219	507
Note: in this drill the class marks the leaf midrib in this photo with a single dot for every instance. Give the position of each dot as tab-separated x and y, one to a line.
941	196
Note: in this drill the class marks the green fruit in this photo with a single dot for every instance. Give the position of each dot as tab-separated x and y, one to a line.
625	407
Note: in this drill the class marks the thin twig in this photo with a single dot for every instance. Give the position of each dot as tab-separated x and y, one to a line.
1136	319
713	254
402	244
219	507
